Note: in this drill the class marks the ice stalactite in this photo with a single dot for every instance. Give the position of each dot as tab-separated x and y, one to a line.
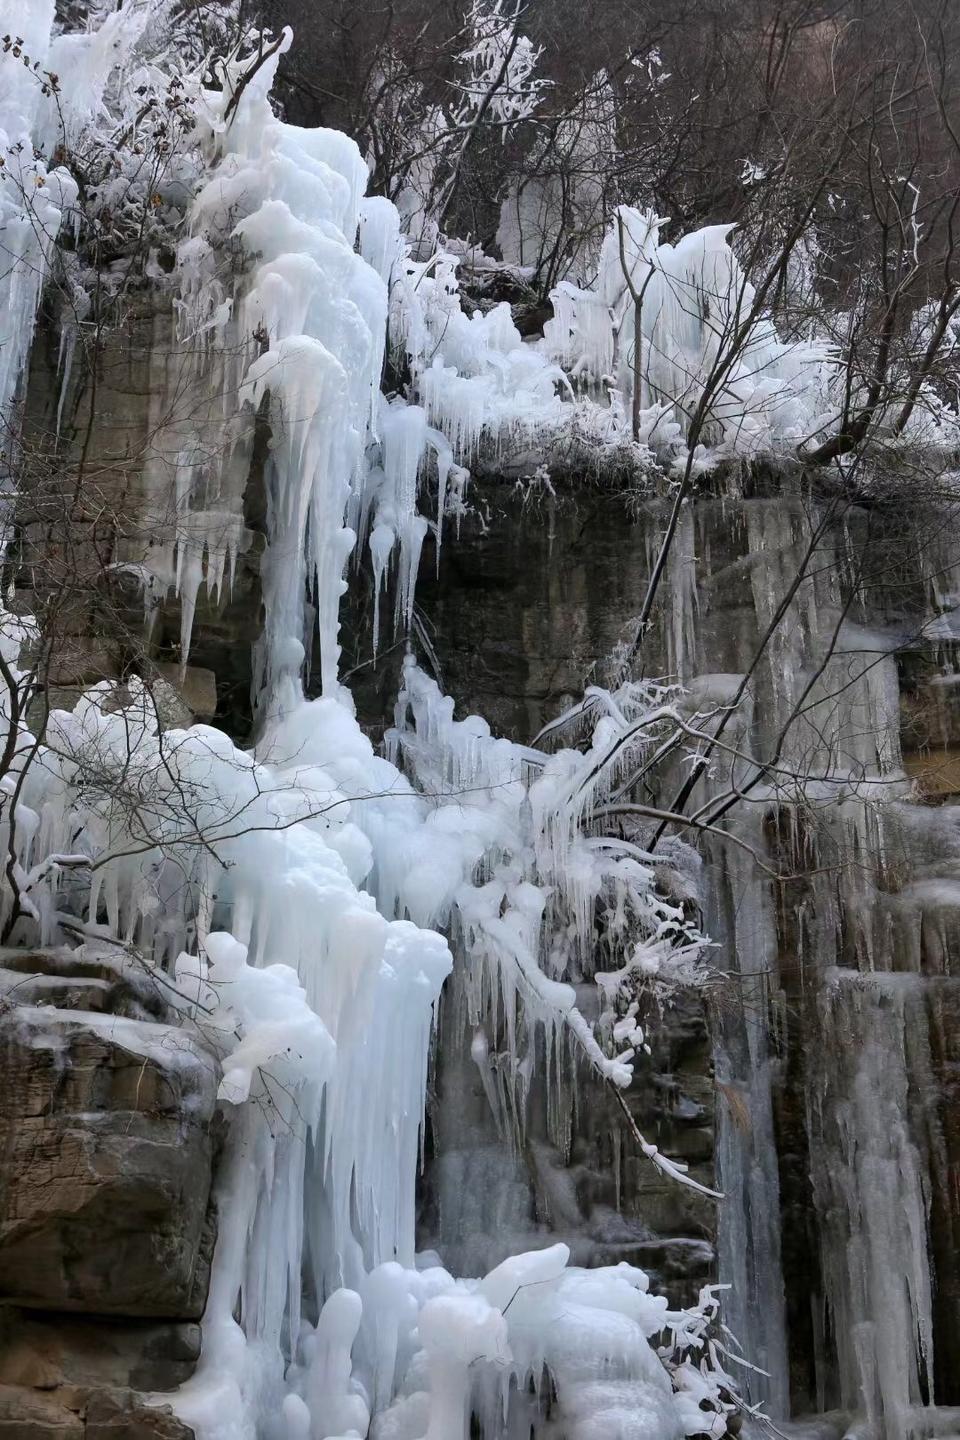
307	327
875	947
532	868
696	308
871	1182
34	197
749	1228
317	313
831	1143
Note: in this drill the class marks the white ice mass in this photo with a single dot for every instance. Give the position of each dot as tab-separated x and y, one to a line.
276	885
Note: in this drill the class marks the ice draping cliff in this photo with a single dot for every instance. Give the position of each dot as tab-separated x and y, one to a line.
34	196
301	901
267	887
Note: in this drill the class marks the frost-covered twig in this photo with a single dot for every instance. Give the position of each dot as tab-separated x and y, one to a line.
676	1169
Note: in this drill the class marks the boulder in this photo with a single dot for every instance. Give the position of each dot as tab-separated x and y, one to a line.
78	1414
27	1414
122	1415
48	1351
106	1149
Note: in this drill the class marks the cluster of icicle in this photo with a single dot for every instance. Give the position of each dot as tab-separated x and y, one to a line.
267	890
265	887
693	301
310	325
702	333
34	197
519	822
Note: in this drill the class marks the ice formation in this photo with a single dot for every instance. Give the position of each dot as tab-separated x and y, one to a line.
697	315
289	895
34	198
321	1008
293	896
478	381
875	913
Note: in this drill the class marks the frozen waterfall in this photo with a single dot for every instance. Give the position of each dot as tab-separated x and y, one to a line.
305	900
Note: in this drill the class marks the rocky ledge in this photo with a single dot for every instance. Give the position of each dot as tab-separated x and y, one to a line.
107	1148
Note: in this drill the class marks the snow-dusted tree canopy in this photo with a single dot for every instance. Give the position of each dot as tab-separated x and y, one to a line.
302	897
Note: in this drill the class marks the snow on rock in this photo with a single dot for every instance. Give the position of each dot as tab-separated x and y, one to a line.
480	384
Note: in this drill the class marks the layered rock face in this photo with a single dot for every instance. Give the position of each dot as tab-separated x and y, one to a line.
107	1139
103	557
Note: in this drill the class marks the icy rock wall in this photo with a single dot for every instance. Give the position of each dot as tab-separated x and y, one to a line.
834	1027
402	1341
277	935
835	811
33	197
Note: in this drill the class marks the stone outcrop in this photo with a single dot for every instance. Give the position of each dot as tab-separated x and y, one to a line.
84	1413
108	1121
87	559
107	1146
